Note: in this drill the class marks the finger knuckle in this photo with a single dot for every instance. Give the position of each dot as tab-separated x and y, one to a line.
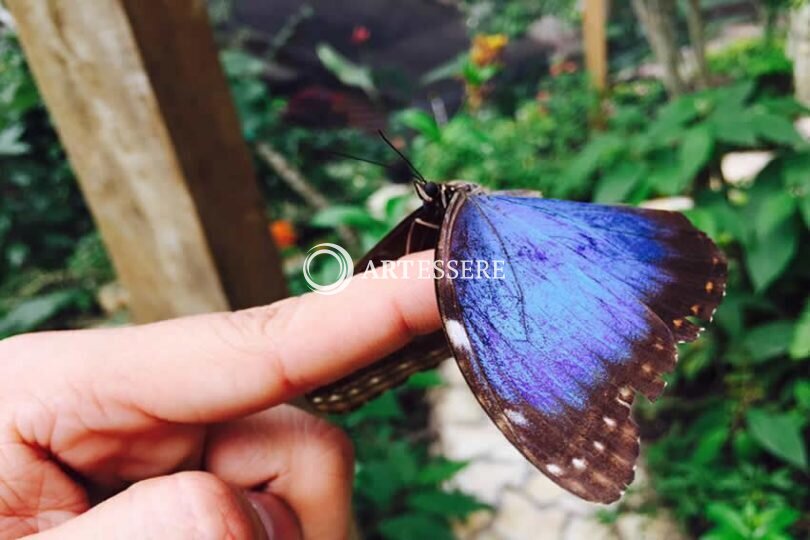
258	332
205	508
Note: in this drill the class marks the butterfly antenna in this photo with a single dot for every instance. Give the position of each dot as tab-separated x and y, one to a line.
415	172
356	158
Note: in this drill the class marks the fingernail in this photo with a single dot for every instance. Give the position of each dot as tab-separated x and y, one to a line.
264	517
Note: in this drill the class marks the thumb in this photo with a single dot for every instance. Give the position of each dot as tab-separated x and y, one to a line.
182	505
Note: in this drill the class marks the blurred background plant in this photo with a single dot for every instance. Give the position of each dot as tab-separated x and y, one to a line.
726	447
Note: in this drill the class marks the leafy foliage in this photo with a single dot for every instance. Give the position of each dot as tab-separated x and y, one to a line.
44	224
42	215
752	58
528	149
511	17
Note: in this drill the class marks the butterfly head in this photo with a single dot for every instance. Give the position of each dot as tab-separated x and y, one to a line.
429	192
440	195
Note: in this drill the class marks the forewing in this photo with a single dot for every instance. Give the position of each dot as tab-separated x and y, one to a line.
591	304
424	352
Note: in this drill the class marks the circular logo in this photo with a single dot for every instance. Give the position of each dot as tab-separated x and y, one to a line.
345	267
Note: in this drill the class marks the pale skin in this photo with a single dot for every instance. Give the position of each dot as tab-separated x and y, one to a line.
179	430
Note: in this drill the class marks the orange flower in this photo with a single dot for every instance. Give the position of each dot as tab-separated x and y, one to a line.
487	48
283	233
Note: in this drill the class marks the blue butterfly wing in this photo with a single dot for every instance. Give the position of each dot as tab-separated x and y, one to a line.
591	303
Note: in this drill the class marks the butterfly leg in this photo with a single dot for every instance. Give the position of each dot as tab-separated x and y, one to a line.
414	223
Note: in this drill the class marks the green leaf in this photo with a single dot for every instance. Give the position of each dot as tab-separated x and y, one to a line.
478	75
238	63
802	392
422	122
696	151
665	176
410	526
31	313
452	504
797	180
10	143
439	471
425	379
354	216
768	340
736	95
386	407
733	126
698	356
778	518
345	70
670	122
710	445
777	208
728	517
804	208
448	70
800	344
775	128
779	434
794	171
618	182
592	156
767	257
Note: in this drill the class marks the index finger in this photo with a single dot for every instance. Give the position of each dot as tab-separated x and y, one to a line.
213	367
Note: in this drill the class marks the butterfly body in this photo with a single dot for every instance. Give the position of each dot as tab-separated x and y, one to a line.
591	304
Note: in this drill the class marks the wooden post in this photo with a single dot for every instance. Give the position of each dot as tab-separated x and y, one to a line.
143	109
594	33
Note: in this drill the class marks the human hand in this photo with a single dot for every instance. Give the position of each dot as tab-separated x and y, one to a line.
178	429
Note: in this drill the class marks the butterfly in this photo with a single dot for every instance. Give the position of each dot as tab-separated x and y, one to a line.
592	302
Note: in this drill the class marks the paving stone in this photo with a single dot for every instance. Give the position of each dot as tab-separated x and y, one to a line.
543	491
451	374
589	529
519	519
742	167
486	480
473	528
457	405
461	441
643	527
487	535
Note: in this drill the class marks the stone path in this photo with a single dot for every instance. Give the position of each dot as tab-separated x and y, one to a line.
526	505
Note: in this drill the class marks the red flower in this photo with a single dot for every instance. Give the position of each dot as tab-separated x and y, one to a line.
360	35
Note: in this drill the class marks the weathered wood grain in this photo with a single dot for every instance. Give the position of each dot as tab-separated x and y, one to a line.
141	105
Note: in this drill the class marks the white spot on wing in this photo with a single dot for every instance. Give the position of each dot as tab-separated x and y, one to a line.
599	446
610	422
457	335
579	464
554	469
517	417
